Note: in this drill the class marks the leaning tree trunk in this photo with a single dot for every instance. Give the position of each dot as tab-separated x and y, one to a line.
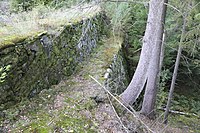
138	81
154	68
175	71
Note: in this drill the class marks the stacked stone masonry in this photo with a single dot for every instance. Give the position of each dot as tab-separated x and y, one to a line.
34	64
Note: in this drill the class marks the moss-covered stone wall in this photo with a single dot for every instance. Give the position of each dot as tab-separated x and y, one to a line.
116	76
36	63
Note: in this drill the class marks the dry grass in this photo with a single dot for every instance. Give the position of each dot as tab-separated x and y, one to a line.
41	19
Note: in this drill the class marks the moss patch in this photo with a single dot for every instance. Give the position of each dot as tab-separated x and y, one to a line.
8	41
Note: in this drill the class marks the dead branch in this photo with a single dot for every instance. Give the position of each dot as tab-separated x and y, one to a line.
131	112
180	113
125	128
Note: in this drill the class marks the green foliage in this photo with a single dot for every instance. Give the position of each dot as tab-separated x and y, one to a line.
25	5
162	94
135	28
64	3
173	27
186	88
119	14
174	23
182	103
128	20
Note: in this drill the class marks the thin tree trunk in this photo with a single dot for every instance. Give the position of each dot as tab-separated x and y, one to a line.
162	54
153	71
136	86
175	72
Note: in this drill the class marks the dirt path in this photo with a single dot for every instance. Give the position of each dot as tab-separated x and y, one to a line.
90	95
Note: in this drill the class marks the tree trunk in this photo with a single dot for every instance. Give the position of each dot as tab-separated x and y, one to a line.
154	68
162	53
138	81
175	72
136	86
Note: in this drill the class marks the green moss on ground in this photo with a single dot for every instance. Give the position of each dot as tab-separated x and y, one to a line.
41	114
68	106
104	57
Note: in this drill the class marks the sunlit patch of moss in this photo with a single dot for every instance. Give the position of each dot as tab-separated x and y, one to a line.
103	57
39	118
14	39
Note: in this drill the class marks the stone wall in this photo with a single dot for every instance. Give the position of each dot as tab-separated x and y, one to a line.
36	63
116	76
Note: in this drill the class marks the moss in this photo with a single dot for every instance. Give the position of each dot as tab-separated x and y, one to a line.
111	47
13	40
68	119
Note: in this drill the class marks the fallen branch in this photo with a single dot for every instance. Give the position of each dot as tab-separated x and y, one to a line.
180	113
125	128
133	113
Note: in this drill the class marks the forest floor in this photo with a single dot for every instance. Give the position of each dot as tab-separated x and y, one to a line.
79	104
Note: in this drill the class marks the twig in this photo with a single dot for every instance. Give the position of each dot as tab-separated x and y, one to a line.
174	8
164	128
117	114
134	115
137	50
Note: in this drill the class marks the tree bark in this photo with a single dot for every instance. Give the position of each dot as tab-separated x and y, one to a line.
136	86
154	68
162	53
175	72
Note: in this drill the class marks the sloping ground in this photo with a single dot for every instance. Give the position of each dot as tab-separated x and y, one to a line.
77	104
